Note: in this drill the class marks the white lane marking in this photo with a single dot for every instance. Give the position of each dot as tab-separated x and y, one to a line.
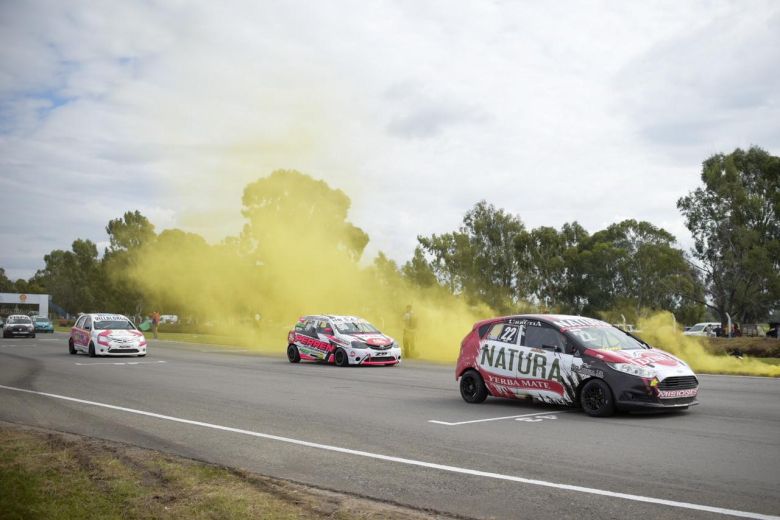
412	462
120	363
536	419
445	423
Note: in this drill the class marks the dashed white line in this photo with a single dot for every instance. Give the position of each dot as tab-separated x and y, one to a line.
445	423
412	462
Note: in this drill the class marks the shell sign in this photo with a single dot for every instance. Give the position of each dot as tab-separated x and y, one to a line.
22	298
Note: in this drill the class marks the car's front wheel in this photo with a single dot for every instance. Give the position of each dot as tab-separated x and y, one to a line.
292	354
596	399
91	349
71	348
341	358
472	387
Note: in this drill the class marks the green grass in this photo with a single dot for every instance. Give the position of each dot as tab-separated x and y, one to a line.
62	477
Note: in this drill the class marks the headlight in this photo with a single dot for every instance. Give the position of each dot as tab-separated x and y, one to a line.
359	344
633	370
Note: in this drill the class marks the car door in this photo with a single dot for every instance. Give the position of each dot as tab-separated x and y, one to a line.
498	360
78	334
545	365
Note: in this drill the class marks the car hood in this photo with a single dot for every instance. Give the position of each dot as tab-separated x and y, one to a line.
372	339
664	364
121	335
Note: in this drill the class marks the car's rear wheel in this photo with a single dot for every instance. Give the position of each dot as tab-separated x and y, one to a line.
71	348
292	354
472	387
596	399
341	357
91	349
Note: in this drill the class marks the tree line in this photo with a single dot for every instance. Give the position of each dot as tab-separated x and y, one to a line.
629	268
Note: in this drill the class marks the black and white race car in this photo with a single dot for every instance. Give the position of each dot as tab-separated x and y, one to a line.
343	340
571	360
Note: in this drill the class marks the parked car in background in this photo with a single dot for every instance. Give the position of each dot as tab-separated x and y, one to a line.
18	325
43	324
703	329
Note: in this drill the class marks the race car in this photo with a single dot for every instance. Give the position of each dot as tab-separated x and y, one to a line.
343	340
571	360
18	325
106	335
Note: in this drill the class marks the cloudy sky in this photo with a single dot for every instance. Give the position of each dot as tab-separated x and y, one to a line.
555	111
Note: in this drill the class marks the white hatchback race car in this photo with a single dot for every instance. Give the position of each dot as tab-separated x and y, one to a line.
106	335
343	340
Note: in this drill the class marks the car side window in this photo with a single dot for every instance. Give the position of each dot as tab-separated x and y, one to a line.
538	337
80	322
88	323
504	333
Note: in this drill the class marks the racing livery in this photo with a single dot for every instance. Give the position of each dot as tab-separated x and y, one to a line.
571	360
343	340
106	335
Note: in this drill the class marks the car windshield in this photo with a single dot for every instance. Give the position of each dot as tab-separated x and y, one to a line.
356	327
19	319
696	328
114	325
605	338
41	320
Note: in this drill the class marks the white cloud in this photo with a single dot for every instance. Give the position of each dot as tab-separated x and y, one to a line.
556	112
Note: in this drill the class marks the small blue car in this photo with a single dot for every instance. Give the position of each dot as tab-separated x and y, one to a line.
43	324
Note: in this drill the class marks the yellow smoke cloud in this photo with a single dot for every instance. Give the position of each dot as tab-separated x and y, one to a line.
298	254
660	330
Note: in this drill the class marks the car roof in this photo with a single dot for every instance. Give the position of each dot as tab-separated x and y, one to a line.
333	317
552	319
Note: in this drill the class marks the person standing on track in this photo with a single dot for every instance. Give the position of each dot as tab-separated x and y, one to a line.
155	322
410	330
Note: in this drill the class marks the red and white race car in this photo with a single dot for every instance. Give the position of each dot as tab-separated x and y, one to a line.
106	335
343	340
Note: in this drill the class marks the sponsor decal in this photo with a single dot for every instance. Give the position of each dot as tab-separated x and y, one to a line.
527	384
525	322
575	323
675	394
587	371
531	363
311	342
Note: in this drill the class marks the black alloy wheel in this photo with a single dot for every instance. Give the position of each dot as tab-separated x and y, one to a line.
342	359
472	387
292	354
596	399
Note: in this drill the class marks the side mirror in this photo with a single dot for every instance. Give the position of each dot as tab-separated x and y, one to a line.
87	327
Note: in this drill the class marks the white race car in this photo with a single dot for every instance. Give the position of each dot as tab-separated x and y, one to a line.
343	340
106	335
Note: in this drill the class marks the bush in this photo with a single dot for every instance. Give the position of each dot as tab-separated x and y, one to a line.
756	347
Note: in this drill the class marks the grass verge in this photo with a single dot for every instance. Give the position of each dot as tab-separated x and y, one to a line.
58	476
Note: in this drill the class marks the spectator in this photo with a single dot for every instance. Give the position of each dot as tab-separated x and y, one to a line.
155	323
410	330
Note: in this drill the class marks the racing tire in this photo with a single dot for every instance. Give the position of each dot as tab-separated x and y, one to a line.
596	399
472	387
292	354
32	335
341	358
71	348
91	349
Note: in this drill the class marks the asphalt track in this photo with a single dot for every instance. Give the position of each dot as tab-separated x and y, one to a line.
404	435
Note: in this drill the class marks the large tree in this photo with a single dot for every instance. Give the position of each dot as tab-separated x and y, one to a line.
734	220
478	259
74	278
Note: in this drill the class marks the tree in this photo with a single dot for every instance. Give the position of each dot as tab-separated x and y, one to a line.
478	259
547	263
74	278
6	285
734	220
634	265
129	232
